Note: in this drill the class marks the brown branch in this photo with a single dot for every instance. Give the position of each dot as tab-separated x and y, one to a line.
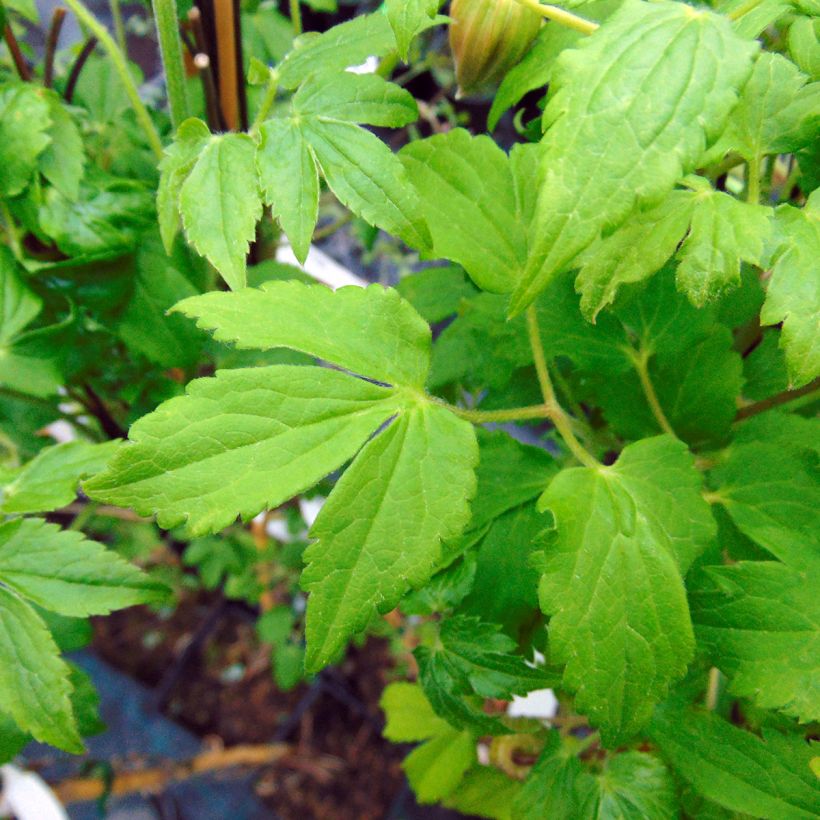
74	75
204	64
19	60
776	401
51	45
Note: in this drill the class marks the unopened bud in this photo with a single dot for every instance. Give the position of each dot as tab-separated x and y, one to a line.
487	38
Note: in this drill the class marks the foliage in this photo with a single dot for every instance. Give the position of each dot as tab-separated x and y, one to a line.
631	289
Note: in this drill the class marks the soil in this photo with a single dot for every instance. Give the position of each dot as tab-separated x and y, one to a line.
221	687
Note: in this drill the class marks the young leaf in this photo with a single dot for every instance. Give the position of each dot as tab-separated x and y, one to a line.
242	441
768	776
468	196
25	120
51	479
409	18
61	571
220	204
63	160
367	177
613	579
380	531
637	103
760	623
371	331
289	178
34	686
410	717
793	296
804	45
19	305
435	768
724	231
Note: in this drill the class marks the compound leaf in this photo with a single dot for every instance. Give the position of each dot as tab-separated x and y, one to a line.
613	579
371	331
637	103
242	441
380	531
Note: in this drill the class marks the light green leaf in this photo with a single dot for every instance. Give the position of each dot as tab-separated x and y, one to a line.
342	46
61	571
25	120
380	531
12	739
220	204
289	178
468	196
639	248
63	160
637	103
435	768
436	292
410	717
409	18
759	622
793	295
624	538
371	331
768	776
34	685
19	305
357	98
367	177
27	8
804	45
240	442
486	792
51	479
180	157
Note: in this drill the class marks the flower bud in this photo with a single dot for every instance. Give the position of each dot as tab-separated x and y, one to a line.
487	38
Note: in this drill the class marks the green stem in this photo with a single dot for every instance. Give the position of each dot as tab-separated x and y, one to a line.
555	412
12	233
743	8
640	360
119	26
777	400
296	17
170	46
85	16
560	16
713	690
267	101
536	411
753	181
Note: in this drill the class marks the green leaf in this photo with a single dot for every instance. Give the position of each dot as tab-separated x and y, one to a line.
639	248
624	538
356	98
468	195
240	442
410	717
776	113
25	120
371	331
289	178
768	776
220	204
408	18
759	622
472	657
12	739
180	157
804	45
380	531
34	685
449	586
436	292
62	571
637	103
160	281
486	792
435	768
367	177
19	305
27	8
288	666
793	296
63	161
51	479
342	46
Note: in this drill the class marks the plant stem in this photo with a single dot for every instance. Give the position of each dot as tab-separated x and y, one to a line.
296	17
16	55
267	101
11	231
74	74
560	16
713	690
554	410
51	45
121	67
753	182
640	359
775	401
535	411
170	46
743	8
119	26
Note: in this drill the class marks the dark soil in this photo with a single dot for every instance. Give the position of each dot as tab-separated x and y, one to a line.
341	767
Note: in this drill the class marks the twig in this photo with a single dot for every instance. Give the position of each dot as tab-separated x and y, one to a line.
777	400
51	45
19	60
74	75
203	63
95	405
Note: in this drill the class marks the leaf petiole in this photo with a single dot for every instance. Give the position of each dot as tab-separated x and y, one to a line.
560	16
